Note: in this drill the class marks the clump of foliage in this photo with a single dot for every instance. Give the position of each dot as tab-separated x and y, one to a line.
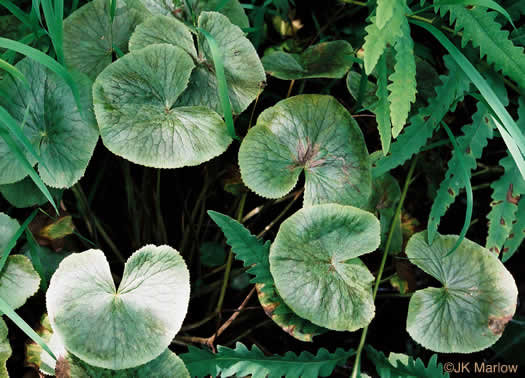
365	139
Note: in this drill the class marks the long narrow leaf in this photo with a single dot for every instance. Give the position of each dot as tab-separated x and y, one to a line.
468	188
34	251
12	242
27	166
486	91
13	71
45	60
221	81
17	12
11	314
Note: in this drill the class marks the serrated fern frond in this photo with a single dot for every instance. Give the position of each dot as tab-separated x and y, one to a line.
378	38
403	87
242	361
474	139
517	233
254	253
382	110
422	125
247	248
478	25
398	365
507	191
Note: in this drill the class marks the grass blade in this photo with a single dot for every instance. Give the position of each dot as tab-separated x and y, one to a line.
27	166
46	61
34	250
12	242
14	72
221	81
468	188
486	91
17	12
11	314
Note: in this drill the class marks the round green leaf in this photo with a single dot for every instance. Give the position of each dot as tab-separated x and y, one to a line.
242	68
25	193
163	7
18	281
163	29
8	227
63	137
313	133
90	36
168	364
478	297
324	60
124	328
135	106
314	262
5	349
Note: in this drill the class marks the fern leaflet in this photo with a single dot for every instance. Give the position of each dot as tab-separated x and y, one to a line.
517	233
255	255
479	26
381	109
403	86
422	125
474	140
505	196
378	38
401	366
242	361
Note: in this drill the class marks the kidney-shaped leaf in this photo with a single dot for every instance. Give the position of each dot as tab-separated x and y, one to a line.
324	60
313	133
242	68
135	106
478	297
314	262
90	37
64	138
124	328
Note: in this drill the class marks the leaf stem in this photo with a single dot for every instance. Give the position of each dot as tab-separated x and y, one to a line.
408	180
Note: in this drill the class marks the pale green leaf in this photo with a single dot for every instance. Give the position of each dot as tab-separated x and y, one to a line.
470	311
314	262
18	281
242	67
168	364
324	60
63	137
162	7
163	29
89	34
382	109
8	228
135	104
125	327
313	133
384	12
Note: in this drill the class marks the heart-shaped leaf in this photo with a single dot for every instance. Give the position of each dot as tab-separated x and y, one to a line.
242	68
324	60
5	349
163	7
313	133
8	227
124	328
314	262
478	297
90	37
168	364
63	137
135	106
